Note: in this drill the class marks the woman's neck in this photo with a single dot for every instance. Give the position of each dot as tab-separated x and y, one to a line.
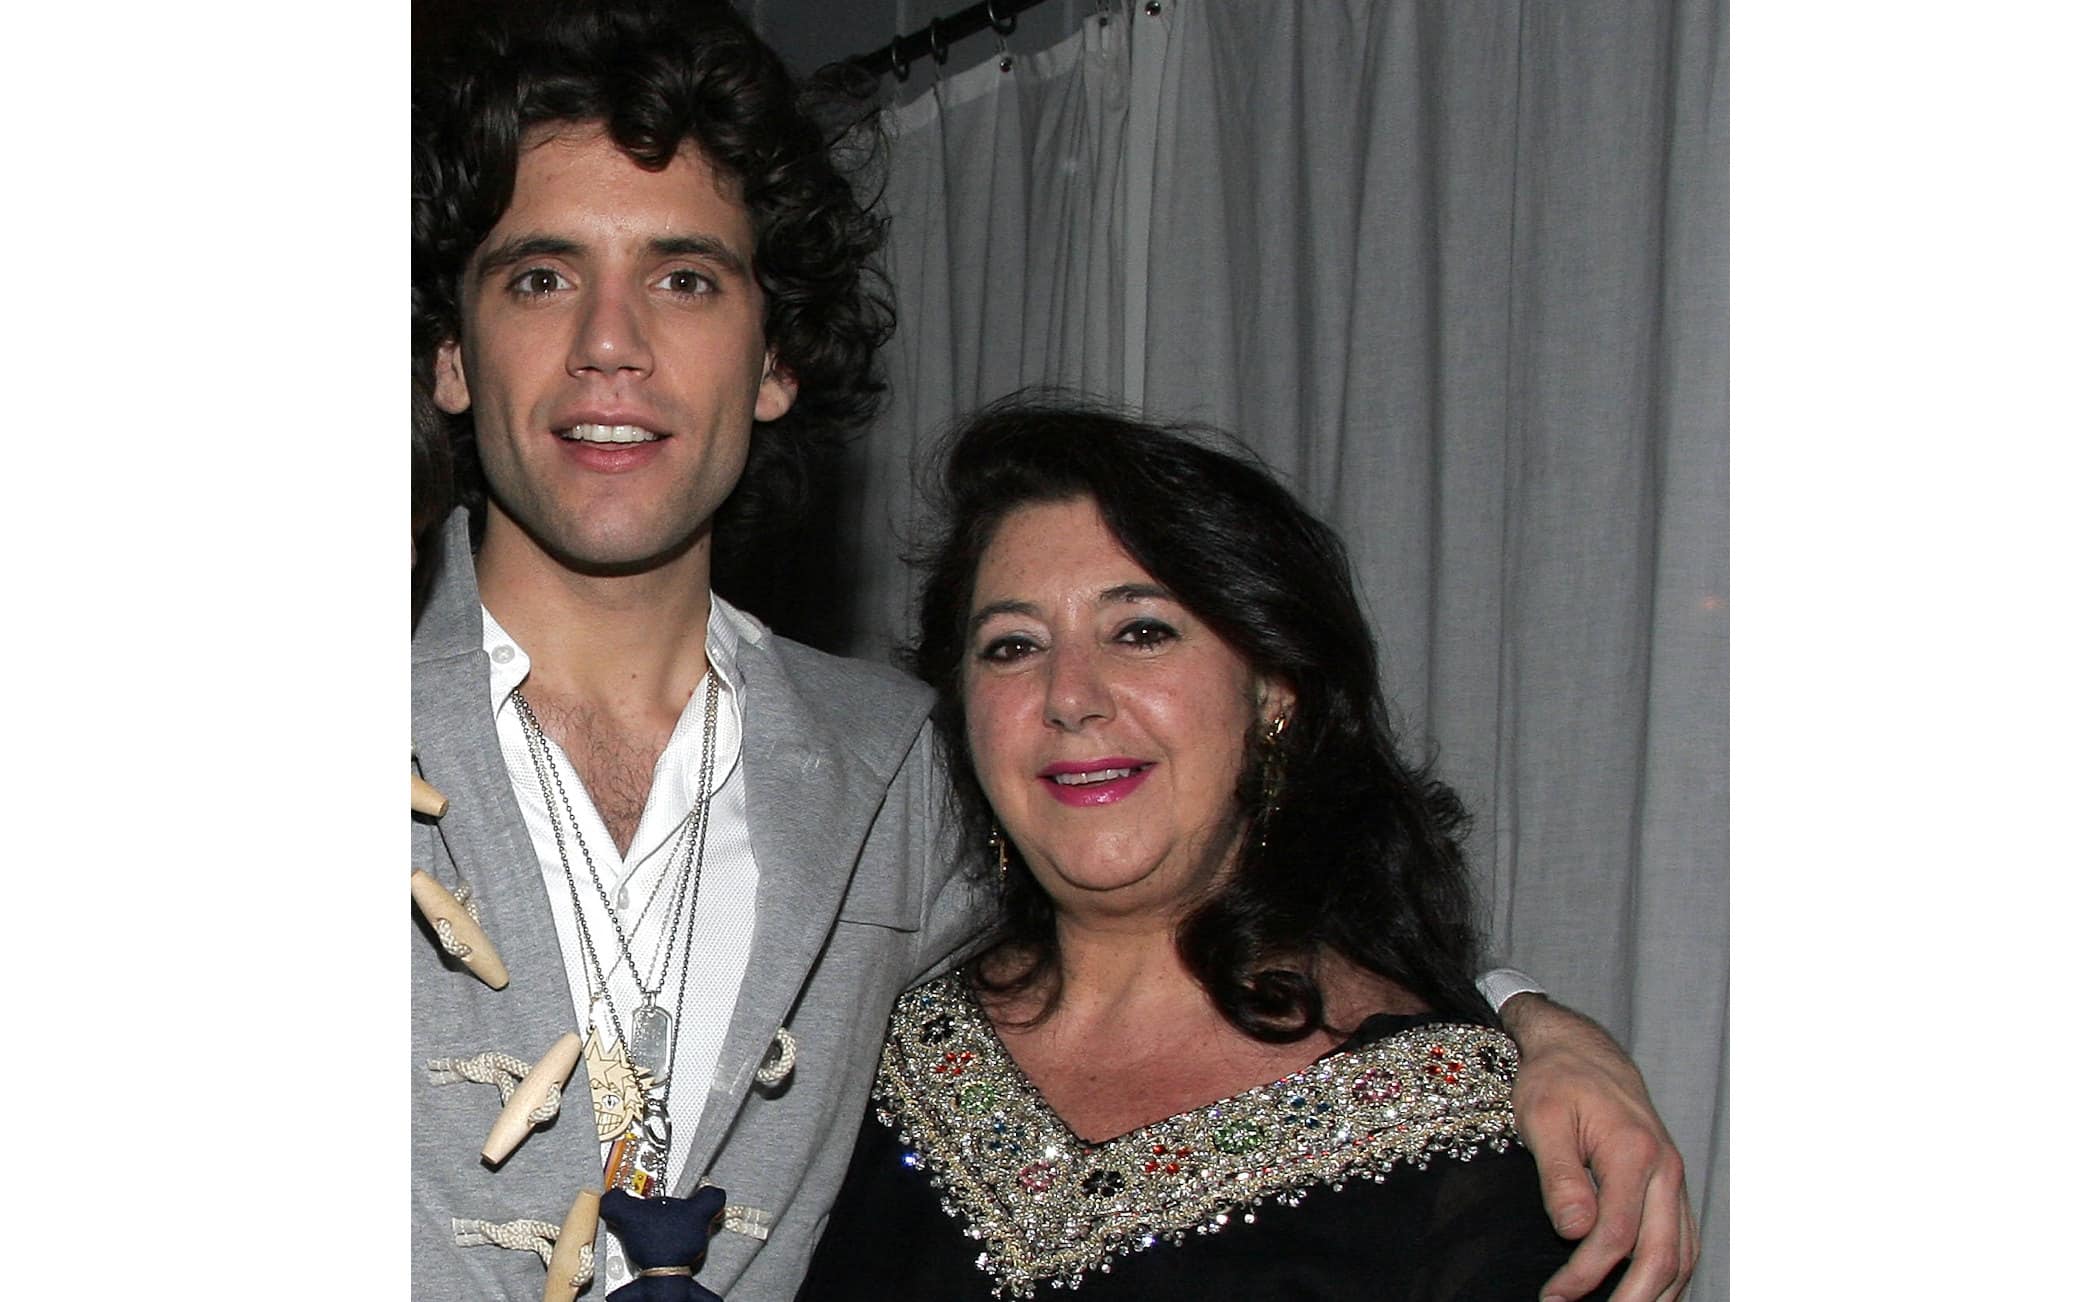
1130	1037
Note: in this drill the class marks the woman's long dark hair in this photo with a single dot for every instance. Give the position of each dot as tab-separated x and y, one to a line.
1361	853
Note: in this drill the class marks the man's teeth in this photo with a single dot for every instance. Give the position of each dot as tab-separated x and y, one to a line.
610	434
1096	775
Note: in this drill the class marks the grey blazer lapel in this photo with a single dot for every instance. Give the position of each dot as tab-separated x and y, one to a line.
483	837
810	800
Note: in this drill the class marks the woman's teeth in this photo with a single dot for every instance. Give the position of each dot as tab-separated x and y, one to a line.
1086	779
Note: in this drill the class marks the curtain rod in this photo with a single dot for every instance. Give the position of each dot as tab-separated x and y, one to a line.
934	37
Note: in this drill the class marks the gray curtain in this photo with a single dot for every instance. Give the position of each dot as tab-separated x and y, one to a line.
1459	271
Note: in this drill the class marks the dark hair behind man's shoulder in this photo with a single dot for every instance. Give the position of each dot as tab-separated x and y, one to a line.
660	74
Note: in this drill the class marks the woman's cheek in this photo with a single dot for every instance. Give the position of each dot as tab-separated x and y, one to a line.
989	739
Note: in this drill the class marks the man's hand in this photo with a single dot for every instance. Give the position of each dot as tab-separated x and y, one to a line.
1582	1107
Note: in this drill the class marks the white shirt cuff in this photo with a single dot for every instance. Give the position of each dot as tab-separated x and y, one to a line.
1504	984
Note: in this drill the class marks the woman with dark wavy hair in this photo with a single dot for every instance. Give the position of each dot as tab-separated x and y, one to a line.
1236	954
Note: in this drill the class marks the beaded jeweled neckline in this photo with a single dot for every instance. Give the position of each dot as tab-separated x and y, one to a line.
1048	1206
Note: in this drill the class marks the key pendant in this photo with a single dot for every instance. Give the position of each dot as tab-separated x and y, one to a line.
638	1161
625	1169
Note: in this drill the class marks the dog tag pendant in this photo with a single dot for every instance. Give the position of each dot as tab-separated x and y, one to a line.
650	1042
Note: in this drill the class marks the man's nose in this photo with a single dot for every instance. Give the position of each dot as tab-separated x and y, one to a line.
612	336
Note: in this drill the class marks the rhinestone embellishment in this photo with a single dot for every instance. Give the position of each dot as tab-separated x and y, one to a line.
1046	1207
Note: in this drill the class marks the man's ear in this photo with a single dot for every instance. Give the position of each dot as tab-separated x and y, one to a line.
450	386
776	390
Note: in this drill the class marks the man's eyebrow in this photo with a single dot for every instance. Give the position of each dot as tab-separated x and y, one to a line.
700	246
519	248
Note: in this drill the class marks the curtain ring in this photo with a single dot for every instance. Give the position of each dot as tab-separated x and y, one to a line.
1002	29
938	43
897	64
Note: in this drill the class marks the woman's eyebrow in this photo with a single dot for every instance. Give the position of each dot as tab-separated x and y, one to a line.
984	613
1136	592
1133	592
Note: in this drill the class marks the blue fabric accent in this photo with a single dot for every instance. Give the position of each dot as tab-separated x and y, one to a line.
663	1232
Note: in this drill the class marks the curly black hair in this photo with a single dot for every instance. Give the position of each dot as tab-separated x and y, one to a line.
433	486
660	75
1359	852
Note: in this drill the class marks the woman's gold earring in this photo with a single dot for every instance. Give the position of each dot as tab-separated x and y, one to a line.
997	843
1274	760
1274	777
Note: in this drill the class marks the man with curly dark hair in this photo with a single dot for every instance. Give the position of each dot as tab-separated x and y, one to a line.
707	858
642	299
713	87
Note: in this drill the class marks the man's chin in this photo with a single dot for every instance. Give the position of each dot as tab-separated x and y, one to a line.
611	566
610	558
598	553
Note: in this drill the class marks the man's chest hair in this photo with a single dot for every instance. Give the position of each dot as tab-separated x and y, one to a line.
615	760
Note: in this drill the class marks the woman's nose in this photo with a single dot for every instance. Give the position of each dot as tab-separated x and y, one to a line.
1077	693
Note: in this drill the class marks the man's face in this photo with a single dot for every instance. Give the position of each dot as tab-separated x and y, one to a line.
613	351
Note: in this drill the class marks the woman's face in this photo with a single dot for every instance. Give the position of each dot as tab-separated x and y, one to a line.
1106	721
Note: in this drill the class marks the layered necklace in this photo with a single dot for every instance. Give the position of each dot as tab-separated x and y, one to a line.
631	1078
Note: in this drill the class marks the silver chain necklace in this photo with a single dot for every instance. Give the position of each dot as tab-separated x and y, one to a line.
651	1039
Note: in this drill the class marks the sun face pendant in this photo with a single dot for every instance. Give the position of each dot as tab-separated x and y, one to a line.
618	1090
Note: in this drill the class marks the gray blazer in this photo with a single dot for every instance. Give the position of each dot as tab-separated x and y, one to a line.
857	899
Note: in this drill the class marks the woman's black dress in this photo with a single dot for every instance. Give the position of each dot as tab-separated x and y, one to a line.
1387	1169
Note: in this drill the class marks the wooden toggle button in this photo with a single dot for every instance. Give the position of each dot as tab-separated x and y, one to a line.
578	1229
426	799
552	1070
437	906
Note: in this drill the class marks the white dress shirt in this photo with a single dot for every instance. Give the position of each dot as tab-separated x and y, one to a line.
715	940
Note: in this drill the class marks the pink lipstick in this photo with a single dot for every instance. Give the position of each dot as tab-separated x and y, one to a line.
1095	782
